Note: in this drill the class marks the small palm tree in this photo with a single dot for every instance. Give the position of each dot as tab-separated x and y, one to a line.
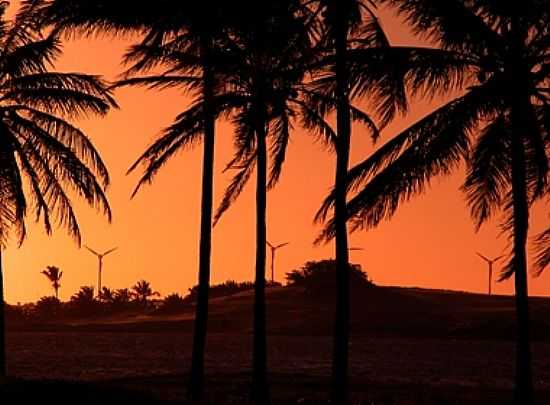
122	296
107	295
142	291
53	274
43	156
84	295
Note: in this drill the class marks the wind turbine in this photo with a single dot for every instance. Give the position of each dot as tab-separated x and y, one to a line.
100	257
274	249
490	263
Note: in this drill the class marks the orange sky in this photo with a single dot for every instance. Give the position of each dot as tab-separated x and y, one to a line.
429	243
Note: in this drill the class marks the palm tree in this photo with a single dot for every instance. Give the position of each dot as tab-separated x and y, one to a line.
496	124
142	291
42	156
107	295
83	302
265	97
352	44
122	295
182	54
53	274
122	298
182	36
269	54
84	296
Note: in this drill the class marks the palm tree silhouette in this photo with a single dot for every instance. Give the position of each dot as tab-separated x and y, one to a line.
270	53
181	38
351	39
122	297
107	295
176	52
38	145
53	274
84	295
142	291
497	65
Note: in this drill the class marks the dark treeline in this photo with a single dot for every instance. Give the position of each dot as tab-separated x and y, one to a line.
314	276
276	67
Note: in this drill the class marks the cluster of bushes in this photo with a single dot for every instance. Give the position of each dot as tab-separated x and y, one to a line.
86	303
174	303
228	288
314	276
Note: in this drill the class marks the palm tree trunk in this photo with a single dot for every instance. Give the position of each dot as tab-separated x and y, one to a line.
524	379
339	392
196	381
519	99
3	368
260	385
99	279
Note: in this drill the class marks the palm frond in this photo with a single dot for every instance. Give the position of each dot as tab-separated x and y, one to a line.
184	133
237	185
445	22
488	176
431	147
280	138
72	137
65	166
30	58
162	82
542	251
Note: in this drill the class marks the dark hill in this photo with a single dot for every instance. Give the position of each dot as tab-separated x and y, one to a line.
384	311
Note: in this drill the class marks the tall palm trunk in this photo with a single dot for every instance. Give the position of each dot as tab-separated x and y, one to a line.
196	381
3	368
524	381
260	385
520	99
339	392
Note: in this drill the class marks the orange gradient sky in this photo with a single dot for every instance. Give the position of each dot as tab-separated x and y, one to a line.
430	242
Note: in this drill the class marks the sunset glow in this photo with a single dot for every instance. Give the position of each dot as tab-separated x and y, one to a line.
430	243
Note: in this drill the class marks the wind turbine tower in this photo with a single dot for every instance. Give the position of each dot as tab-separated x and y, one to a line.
274	249
490	263
100	257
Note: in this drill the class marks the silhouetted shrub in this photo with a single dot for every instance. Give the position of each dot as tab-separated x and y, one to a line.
321	275
172	303
142	292
16	313
83	303
47	308
221	290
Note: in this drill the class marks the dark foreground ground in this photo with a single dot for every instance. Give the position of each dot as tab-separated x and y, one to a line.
150	365
409	346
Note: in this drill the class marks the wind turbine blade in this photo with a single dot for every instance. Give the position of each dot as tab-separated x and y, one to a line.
91	250
110	251
484	258
281	245
355	248
270	245
498	258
